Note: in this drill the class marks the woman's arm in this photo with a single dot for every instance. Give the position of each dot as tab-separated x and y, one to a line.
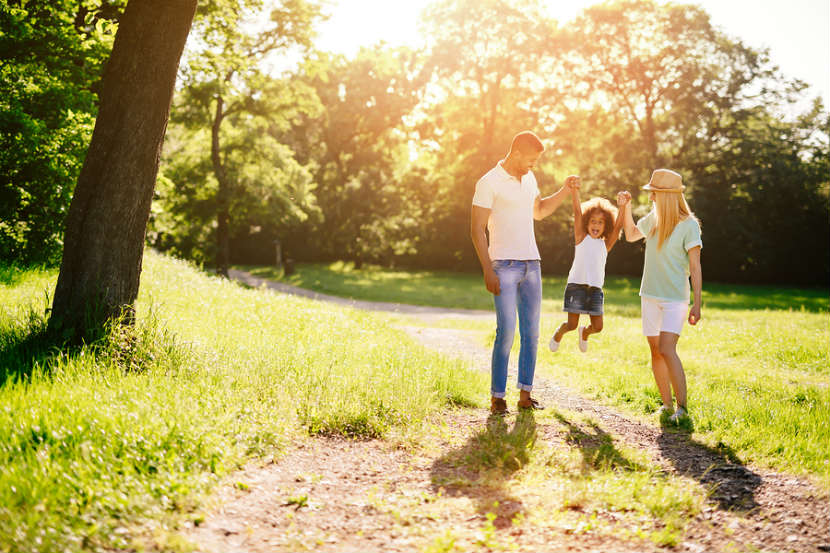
696	274
579	231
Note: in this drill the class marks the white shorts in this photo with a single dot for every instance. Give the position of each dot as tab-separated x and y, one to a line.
663	316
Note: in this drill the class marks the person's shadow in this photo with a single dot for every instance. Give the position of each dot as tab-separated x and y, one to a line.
596	446
718	468
481	468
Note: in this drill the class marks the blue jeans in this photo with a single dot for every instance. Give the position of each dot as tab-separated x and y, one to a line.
520	284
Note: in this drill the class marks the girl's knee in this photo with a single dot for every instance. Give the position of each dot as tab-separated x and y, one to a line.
596	326
571	325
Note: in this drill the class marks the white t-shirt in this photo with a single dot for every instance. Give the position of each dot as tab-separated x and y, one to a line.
511	217
589	262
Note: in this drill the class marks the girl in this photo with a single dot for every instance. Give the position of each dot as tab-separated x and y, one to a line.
673	244
595	233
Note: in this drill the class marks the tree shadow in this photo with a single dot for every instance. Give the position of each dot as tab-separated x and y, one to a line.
732	485
597	447
21	352
482	467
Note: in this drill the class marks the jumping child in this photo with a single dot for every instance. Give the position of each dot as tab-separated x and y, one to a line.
597	225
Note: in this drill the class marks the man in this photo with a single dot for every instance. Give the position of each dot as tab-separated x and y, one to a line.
506	202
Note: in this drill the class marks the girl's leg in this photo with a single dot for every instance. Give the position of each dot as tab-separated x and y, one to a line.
594	328
660	370
668	350
573	322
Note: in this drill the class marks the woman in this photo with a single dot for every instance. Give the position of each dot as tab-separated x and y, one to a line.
673	244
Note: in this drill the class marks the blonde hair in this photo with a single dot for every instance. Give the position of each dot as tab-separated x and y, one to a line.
605	208
671	208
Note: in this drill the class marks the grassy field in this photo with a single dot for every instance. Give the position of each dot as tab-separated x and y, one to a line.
466	290
130	431
757	364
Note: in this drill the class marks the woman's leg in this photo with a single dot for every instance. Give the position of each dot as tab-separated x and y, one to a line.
660	370
668	351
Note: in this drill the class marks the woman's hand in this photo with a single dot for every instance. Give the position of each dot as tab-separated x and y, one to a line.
694	314
623	198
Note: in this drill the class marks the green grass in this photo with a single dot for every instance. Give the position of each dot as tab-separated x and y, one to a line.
757	365
466	290
132	430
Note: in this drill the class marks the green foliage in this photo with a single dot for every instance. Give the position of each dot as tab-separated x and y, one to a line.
374	159
357	147
226	123
139	425
51	62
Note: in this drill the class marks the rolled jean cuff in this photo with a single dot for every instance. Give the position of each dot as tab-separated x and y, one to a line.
524	387
498	395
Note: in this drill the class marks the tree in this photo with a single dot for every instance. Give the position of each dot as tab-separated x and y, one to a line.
224	83
483	57
51	61
358	150
107	219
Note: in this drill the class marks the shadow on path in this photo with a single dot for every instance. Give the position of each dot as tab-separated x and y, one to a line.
733	485
482	467
596	445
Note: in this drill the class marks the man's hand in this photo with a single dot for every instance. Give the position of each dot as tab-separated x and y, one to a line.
573	182
491	280
694	314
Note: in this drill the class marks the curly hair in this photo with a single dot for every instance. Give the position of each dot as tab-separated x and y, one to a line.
602	206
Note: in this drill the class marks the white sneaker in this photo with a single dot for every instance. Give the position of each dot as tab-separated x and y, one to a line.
664	413
583	344
679	415
553	344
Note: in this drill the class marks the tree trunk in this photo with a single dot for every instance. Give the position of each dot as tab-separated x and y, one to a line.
107	219
223	244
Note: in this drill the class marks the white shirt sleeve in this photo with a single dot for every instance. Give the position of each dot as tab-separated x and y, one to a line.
484	194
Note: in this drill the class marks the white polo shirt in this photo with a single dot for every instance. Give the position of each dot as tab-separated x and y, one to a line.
511	217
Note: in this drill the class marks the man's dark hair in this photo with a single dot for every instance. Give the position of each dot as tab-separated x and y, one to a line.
527	141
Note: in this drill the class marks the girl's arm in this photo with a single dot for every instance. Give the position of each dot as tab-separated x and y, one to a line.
697	283
632	233
579	232
614	235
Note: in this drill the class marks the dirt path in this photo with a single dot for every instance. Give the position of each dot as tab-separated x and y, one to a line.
340	495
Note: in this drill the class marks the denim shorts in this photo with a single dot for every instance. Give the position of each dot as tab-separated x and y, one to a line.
581	298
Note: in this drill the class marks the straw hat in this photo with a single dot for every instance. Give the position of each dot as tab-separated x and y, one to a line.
664	180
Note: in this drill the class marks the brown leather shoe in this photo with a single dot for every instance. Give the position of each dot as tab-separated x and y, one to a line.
529	403
498	406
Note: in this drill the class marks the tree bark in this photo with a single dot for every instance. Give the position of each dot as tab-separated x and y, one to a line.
107	219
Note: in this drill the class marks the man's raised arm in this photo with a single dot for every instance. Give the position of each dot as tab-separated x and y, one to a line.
545	206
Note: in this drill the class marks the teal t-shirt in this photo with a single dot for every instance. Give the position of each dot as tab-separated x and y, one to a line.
666	270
